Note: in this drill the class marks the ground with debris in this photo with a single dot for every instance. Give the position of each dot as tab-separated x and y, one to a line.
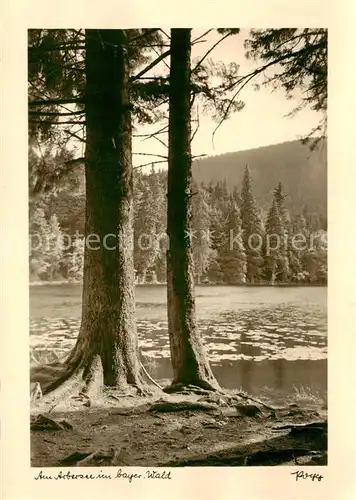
171	430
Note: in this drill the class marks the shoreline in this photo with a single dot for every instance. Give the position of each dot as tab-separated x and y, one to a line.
246	285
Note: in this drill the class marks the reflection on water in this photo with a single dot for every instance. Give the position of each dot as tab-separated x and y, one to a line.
259	339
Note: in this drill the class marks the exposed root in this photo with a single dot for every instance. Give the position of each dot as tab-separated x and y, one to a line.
68	381
175	406
51	376
44	423
143	390
150	378
200	387
80	381
94	459
259	402
68	389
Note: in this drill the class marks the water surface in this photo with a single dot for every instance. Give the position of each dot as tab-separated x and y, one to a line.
261	339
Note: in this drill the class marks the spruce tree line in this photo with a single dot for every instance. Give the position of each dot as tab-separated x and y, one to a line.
233	240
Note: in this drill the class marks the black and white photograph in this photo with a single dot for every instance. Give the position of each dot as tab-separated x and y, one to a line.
178	262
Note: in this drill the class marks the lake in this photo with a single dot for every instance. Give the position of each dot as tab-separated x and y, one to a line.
269	341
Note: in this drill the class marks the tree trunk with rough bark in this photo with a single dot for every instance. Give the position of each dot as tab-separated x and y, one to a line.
106	351
190	364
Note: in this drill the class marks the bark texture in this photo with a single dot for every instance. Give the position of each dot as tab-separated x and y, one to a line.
190	365
106	351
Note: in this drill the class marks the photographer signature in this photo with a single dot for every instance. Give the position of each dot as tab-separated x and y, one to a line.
300	474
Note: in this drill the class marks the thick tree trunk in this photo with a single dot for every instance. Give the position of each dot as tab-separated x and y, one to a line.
108	314
190	365
107	349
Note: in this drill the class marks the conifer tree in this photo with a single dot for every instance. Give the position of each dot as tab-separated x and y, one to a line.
217	232
314	258
298	242
236	196
55	253
46	246
75	260
279	196
201	238
274	246
252	231
232	256
148	223
38	241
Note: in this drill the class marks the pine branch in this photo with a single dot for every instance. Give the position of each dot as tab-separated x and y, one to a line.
78	33
149	163
150	77
160	140
296	37
151	65
210	50
197	127
47	96
50	113
261	69
151	154
75	136
48	122
149	136
58	48
51	102
202	36
157	53
150	45
199	156
243	81
226	112
143	35
166	34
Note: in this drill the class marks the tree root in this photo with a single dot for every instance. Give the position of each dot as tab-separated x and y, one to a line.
43	423
65	390
93	459
201	387
217	396
257	401
78	380
150	378
166	406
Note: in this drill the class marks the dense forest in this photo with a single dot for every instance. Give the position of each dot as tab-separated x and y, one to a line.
222	221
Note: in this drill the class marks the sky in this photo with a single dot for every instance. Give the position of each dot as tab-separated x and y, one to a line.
262	121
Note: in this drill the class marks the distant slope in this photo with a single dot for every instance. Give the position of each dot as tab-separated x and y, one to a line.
303	173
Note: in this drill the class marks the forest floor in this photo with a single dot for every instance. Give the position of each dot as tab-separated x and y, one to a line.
170	430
